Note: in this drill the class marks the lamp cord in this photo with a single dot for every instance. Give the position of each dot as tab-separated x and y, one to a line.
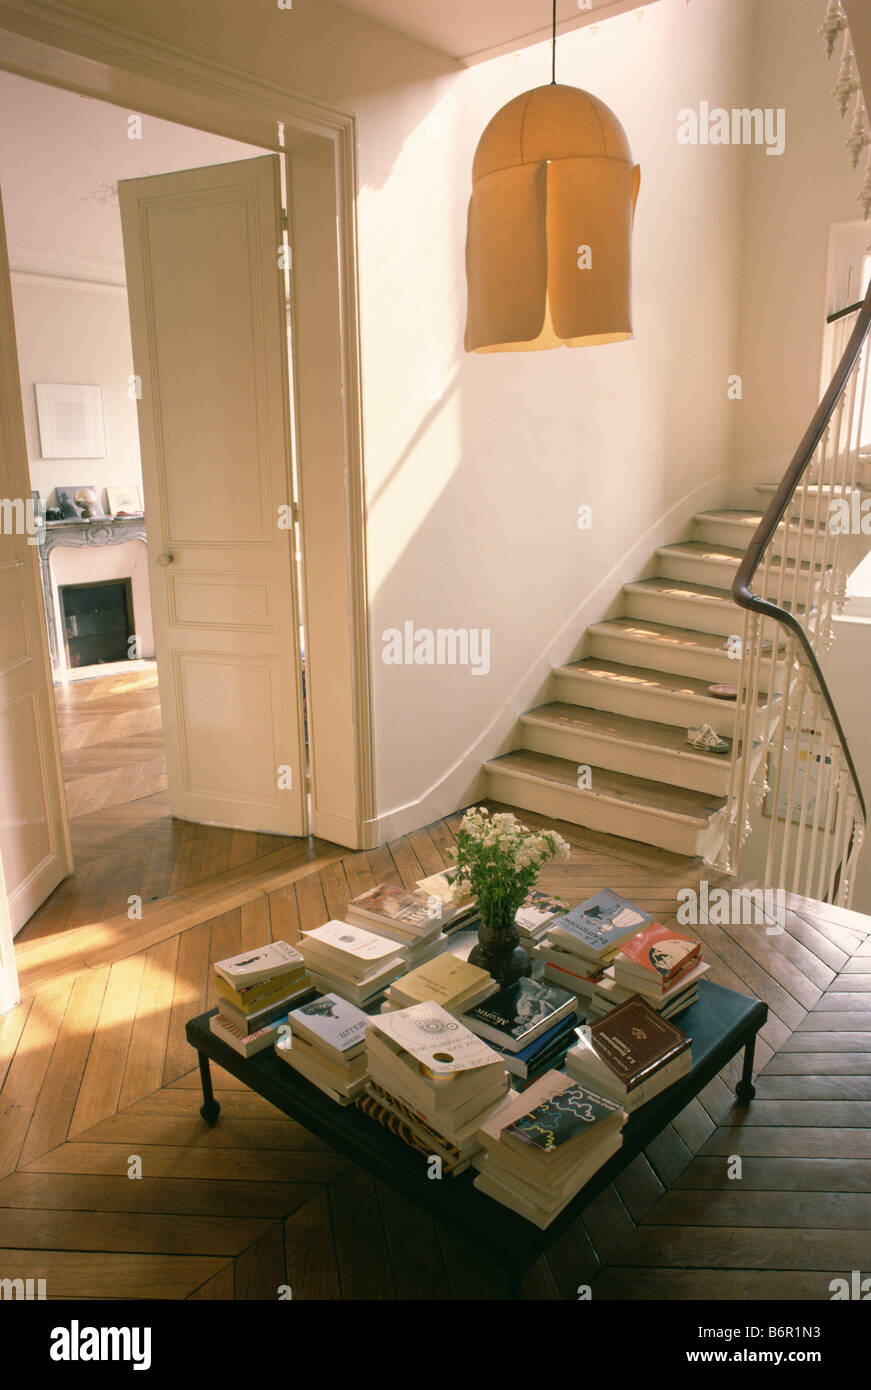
553	59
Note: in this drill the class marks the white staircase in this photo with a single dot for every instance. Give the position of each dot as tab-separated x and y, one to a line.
623	711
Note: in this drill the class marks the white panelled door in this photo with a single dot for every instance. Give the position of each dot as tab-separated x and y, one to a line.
34	844
209	324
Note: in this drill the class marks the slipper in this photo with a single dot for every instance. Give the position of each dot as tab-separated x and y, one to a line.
707	740
723	692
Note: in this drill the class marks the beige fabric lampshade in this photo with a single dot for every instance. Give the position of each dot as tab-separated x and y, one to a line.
552	174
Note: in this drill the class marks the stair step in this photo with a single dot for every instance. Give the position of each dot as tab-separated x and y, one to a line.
624	743
683	603
708	552
685	651
811	489
645	733
618	804
708	564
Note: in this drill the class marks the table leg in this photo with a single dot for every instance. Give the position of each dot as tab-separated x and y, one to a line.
745	1090
210	1109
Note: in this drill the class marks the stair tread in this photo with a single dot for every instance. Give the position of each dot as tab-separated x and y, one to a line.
710	550
624	727
679	588
689	638
740	517
645	678
837	488
699	807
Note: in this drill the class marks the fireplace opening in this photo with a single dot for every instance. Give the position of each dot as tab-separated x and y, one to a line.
97	621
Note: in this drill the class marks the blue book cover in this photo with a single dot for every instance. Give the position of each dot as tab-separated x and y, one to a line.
603	921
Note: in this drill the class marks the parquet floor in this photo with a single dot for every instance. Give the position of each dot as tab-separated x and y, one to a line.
95	1073
120	824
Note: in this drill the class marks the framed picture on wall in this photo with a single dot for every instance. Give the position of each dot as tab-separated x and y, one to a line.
124	499
70	421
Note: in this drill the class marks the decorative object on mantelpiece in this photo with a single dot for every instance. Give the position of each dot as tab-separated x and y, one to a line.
53	514
124	501
78	502
548	247
499	860
70	421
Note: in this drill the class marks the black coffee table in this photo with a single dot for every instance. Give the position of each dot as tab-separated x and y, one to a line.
721	1022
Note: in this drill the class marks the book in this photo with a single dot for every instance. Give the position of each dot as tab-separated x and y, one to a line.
248	1044
634	1041
545	1053
570	1116
503	1185
250	999
443	886
342	1089
520	1012
584	1064
252	967
439	1045
657	954
281	988
363	995
250	1023
332	1024
448	980
403	914
537	911
600	925
614	991
341	948
521	1163
377	1106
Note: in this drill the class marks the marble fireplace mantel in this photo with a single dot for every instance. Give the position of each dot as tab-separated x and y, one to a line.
88	535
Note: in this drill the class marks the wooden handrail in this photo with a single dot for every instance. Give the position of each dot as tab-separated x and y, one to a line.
776	510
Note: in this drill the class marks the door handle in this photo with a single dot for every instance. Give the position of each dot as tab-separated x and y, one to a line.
166	558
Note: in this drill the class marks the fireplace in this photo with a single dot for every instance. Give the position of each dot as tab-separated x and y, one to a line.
97	621
107	551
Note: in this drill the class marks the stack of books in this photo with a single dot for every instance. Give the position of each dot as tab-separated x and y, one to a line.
459	912
579	946
257	989
668	1001
356	964
432	1082
530	1023
413	919
327	1045
449	981
660	964
631	1055
540	1148
534	916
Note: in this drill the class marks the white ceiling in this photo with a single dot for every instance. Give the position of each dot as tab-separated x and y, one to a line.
472	30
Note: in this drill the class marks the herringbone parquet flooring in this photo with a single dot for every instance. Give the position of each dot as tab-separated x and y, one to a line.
96	1074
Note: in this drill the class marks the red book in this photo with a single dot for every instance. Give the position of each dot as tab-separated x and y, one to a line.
657	953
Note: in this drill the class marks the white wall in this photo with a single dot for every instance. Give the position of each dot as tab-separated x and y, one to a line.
78	334
791	203
474	497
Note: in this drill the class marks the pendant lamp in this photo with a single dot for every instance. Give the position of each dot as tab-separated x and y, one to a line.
548	246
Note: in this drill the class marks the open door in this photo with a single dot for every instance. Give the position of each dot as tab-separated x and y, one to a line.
34	843
208	317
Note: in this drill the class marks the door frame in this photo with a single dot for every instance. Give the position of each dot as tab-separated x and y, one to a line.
319	145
